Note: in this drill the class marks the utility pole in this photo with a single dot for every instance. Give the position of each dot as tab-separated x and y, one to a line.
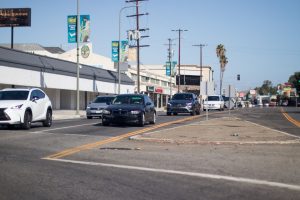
179	32
137	15
170	62
200	46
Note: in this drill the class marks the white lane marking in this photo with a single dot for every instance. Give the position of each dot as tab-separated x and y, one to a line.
65	127
194	174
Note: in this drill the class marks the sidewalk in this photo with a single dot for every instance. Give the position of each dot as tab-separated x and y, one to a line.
67	114
226	130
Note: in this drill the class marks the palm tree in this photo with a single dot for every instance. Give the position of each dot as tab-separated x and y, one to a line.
220	50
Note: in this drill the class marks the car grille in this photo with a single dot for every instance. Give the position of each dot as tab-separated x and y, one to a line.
120	112
96	109
179	105
3	116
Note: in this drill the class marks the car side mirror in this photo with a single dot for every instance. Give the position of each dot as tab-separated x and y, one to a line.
148	104
34	99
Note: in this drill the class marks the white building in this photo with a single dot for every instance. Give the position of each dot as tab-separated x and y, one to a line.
58	78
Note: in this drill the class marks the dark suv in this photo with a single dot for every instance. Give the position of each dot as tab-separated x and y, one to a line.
183	103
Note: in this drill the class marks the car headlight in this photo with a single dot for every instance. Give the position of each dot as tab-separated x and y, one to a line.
135	112
169	104
17	107
106	112
88	107
189	104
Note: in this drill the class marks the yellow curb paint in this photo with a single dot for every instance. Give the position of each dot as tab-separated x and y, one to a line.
290	119
88	146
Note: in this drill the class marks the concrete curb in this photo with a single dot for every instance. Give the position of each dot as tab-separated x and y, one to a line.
177	141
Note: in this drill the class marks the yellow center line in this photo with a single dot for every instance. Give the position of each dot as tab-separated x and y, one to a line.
88	146
290	119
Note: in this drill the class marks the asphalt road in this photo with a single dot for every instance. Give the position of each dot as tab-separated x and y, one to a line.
110	166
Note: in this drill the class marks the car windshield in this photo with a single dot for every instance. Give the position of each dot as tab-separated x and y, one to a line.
14	95
182	97
213	98
106	100
128	100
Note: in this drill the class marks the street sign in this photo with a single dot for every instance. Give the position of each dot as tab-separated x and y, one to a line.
115	51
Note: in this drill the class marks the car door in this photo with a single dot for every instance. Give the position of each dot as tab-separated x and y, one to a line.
196	102
148	112
34	105
38	103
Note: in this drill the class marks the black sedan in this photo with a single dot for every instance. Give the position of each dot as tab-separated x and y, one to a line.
130	108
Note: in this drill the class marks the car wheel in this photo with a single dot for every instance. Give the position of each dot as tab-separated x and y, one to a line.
193	112
105	122
27	121
48	120
169	113
89	117
198	112
174	113
142	120
153	119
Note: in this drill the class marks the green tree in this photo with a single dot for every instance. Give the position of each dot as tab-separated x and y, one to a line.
267	88
220	51
295	80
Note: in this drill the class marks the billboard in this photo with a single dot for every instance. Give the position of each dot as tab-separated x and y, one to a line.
15	17
84	32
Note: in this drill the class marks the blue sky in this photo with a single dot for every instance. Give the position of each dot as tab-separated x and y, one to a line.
262	37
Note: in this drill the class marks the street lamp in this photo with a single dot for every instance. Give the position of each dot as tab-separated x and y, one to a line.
77	40
119	50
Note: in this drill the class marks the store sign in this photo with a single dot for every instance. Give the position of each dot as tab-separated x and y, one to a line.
150	88
15	17
159	90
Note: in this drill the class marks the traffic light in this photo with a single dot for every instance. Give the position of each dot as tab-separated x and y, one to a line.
238	77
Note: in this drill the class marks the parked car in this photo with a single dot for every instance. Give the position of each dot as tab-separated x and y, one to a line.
94	109
130	108
25	106
214	102
273	102
184	103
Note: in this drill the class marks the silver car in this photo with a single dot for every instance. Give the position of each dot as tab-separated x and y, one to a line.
95	108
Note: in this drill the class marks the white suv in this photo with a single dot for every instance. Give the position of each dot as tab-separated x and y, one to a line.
24	106
214	102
